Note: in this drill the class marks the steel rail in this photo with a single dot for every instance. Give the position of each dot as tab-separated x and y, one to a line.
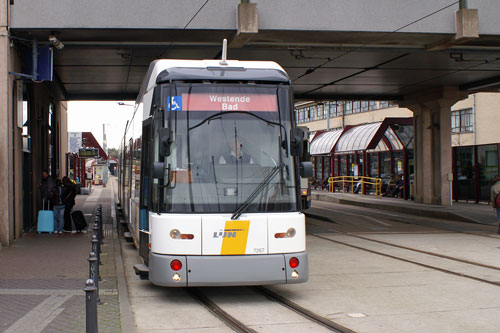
465	261
225	317
302	311
409	261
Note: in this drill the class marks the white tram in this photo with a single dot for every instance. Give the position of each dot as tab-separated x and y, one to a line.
210	175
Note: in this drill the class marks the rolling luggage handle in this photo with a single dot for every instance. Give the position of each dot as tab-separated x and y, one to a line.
43	204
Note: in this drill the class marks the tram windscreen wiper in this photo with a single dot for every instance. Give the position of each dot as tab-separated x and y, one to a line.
275	170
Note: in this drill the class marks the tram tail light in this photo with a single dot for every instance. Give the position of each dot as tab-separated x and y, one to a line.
293	262
290	233
175	265
176	234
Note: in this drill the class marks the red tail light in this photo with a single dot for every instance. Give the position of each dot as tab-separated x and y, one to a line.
294	262
176	265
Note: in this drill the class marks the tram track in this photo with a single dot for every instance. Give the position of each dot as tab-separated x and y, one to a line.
443	270
239	326
439	255
362	212
217	311
302	311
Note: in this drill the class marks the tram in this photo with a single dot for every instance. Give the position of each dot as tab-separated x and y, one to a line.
210	173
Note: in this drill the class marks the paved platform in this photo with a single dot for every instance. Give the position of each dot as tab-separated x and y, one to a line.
42	277
459	211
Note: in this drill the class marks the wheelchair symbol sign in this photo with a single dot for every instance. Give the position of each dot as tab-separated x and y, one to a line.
175	103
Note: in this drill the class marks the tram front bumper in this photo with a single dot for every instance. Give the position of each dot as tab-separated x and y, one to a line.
227	270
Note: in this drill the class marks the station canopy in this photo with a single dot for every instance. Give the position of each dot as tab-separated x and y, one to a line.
390	135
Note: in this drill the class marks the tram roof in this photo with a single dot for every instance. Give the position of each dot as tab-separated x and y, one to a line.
164	70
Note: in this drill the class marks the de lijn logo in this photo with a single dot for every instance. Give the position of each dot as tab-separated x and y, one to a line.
226	233
175	103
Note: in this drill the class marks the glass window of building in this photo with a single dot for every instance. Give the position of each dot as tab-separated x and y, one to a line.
487	159
385	165
373	105
364	106
461	121
343	165
348	107
356	107
465	181
319	111
333	109
340	108
373	165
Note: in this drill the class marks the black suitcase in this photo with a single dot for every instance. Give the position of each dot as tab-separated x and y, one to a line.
79	220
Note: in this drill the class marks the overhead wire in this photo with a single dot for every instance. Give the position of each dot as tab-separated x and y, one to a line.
185	27
433	78
313	69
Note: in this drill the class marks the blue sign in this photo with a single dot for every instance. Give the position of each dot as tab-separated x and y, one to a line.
176	104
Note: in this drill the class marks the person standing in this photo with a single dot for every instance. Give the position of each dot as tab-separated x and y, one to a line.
58	207
46	188
69	201
495	198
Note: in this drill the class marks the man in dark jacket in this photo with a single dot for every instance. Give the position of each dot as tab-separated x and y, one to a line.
58	196
46	189
69	202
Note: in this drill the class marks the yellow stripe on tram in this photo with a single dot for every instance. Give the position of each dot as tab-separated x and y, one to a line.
235	237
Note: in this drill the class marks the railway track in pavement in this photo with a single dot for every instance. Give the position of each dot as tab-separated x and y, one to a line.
238	325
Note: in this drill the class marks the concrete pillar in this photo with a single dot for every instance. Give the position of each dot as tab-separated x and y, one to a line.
5	133
433	159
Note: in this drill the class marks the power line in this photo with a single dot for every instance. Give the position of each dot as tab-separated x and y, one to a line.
311	70
185	26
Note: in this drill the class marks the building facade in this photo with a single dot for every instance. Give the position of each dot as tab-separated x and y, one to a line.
337	151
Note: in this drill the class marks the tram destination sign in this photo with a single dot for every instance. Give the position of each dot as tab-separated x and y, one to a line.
224	102
88	152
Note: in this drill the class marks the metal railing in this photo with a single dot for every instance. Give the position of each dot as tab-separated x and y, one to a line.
350	182
92	284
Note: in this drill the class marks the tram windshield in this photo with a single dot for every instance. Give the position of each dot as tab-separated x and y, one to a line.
229	151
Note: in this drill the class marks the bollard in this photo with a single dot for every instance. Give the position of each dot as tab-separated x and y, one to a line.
91	306
94	272
96	233
96	248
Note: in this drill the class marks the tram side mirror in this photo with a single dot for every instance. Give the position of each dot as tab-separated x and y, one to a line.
165	141
306	169
158	170
297	142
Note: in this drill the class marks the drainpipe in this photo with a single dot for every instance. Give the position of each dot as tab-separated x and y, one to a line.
474	118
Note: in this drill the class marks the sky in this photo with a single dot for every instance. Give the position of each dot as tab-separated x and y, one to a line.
89	116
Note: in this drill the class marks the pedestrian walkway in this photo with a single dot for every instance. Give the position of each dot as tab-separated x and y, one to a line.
460	211
42	276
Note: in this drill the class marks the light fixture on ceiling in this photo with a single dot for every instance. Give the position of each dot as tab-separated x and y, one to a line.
54	41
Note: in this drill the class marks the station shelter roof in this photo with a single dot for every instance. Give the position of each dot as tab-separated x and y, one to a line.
391	134
323	143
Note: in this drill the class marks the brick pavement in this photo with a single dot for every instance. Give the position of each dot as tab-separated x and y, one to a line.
42	277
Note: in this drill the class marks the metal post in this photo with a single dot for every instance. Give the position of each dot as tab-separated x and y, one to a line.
94	272
91	306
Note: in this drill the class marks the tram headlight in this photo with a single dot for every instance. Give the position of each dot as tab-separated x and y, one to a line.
290	233
175	234
176	277
295	275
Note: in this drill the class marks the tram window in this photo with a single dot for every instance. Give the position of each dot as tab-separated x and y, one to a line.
218	159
